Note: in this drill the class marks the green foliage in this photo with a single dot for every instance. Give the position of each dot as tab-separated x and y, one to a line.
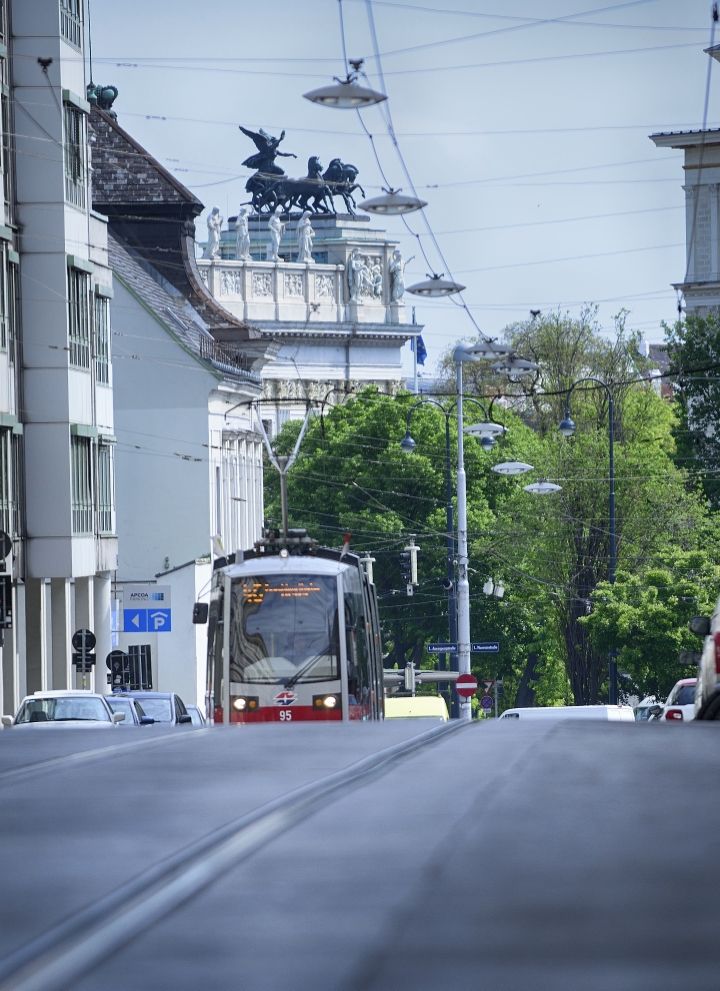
694	350
646	616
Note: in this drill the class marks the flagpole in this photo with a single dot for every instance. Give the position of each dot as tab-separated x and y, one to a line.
414	351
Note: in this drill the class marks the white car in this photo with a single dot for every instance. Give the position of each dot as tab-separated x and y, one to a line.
64	708
707	695
614	713
680	705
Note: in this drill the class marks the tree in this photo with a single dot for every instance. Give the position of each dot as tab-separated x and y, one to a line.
646	616
694	351
562	541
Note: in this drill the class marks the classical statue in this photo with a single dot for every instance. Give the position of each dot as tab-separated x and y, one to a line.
397	275
305	235
376	281
277	229
267	151
214	226
242	235
357	274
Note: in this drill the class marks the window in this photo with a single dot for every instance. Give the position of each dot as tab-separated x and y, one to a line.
102	339
11	311
105	489
7	509
3	299
82	494
71	22
74	156
79	317
141	681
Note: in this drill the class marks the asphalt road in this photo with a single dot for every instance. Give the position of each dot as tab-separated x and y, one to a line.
579	856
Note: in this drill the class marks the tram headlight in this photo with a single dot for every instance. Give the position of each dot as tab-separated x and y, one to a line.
326	701
247	703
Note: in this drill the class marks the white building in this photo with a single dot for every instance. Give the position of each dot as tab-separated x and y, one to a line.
333	341
57	439
701	281
189	459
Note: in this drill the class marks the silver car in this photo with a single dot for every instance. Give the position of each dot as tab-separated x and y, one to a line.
64	708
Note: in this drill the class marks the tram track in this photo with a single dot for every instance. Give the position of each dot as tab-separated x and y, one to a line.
74	947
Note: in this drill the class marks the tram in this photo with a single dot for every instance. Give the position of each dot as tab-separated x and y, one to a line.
293	634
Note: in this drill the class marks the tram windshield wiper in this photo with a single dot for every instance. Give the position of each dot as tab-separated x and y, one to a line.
303	670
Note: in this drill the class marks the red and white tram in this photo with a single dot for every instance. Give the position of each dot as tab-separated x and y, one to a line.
293	634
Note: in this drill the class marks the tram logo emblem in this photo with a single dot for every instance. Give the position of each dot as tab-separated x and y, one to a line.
285	698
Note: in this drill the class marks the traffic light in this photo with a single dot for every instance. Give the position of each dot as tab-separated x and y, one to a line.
405	566
500	686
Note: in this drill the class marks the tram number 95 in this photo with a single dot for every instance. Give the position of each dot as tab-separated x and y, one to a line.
285	716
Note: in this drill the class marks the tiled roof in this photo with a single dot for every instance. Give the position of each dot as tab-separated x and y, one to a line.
126	173
176	312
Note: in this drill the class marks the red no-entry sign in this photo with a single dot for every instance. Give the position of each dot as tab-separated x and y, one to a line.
466	685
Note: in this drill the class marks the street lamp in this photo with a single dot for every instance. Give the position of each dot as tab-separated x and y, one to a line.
408	446
567	428
346	94
392	203
434	286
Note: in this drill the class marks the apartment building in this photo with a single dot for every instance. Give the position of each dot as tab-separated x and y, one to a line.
56	403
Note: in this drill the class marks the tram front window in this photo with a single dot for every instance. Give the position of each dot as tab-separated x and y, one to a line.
284	631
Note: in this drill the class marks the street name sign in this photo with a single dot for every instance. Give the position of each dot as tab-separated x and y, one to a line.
442	648
491	647
466	685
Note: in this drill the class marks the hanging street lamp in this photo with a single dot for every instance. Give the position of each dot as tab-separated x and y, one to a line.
434	286
511	468
346	94
542	487
392	204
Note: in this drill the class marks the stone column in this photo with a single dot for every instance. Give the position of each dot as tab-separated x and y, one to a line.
61	633
690	193
38	635
102	628
713	191
85	616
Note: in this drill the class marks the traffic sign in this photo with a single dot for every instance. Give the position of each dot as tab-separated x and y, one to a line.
119	663
83	640
466	685
491	647
135	620
486	703
441	648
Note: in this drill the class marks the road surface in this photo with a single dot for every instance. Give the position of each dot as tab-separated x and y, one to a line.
581	856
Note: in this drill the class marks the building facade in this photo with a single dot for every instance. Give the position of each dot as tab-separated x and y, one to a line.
57	443
186	378
340	318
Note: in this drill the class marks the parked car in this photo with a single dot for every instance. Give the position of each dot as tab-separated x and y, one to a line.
417	707
614	713
680	705
163	707
707	690
64	708
196	714
134	713
642	709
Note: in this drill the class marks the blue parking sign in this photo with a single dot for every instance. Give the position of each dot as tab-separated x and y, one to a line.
158	621
135	620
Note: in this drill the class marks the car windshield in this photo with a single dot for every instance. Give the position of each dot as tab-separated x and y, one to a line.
686	695
63	709
284	629
158	709
125	706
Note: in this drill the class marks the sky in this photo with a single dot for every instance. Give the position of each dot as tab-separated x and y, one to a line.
523	123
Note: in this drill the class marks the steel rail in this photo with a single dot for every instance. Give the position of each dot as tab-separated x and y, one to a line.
76	946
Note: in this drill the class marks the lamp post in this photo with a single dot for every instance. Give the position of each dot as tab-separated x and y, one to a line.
567	428
408	445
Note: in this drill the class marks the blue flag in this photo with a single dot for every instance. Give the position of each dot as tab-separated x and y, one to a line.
419	345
